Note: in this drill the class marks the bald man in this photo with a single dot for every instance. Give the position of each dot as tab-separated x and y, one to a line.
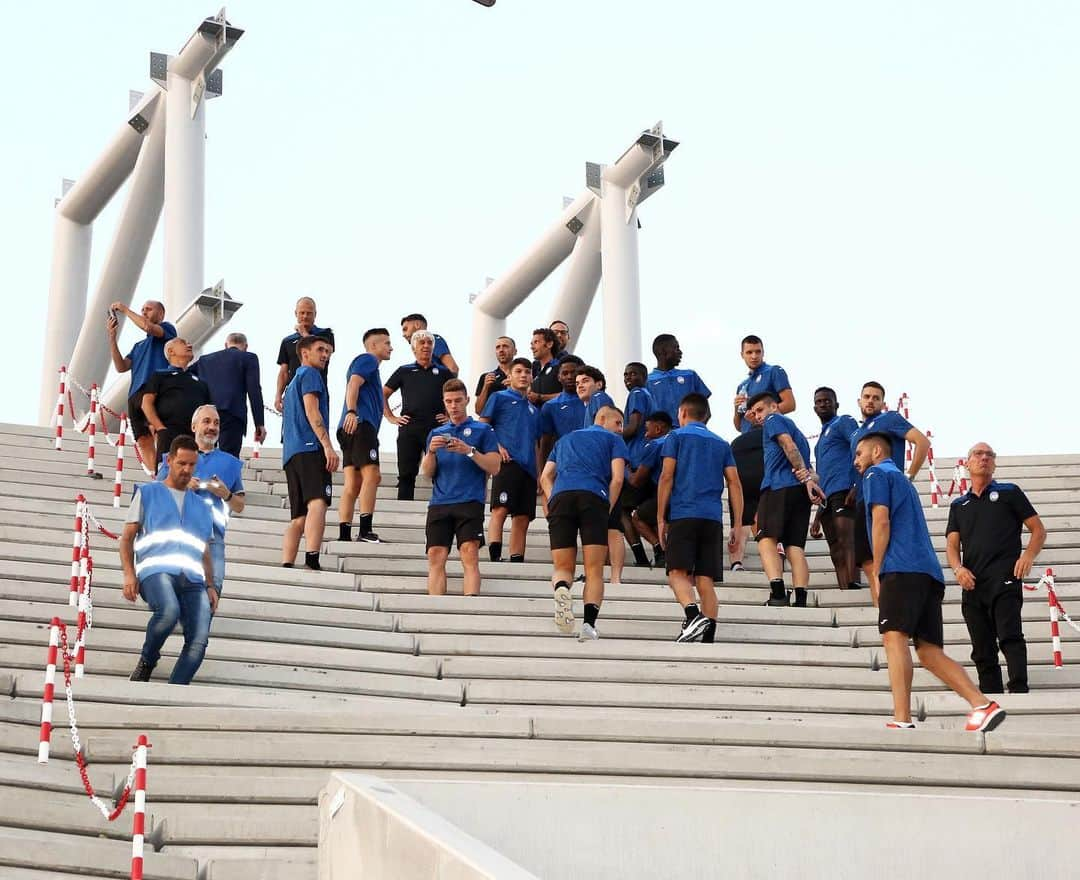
171	397
288	358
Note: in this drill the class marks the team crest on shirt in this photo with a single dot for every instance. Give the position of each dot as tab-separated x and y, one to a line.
994	496
435	371
680	379
467	432
503	498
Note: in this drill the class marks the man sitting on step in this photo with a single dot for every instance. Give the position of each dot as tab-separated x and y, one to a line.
165	556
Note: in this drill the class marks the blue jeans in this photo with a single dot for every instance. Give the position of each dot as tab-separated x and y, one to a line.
173	598
217	564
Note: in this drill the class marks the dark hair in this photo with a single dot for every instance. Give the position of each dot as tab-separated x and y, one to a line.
757	398
882	441
593	374
750	340
662	339
824	388
696	406
509	339
559	321
571	359
548	334
873	384
521	362
454	386
308	341
637	365
606	407
415	316
376	331
661	415
183	441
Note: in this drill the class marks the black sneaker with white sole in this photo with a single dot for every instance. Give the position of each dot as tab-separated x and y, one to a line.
693	629
369	538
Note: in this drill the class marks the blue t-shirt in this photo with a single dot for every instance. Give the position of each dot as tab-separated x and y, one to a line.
651	457
669	387
891	423
228	469
597	402
517	426
638	400
910	549
458	478
369	402
148	356
778	473
441	349
561	415
700	460
832	455
767	377
583	461
297	435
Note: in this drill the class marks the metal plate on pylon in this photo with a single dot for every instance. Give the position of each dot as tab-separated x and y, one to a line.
654	179
198	87
159	67
139	122
574	225
214	84
593	173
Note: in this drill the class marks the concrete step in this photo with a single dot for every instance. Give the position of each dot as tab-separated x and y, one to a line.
65	854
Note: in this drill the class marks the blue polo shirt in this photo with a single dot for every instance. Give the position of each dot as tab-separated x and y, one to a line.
459	479
652	458
638	400
767	377
778	474
597	402
832	455
583	461
669	387
910	549
441	349
891	423
517	426
369	402
297	435
228	469
148	356
700	460
561	415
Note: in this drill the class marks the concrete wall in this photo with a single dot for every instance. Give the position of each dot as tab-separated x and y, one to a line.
647	831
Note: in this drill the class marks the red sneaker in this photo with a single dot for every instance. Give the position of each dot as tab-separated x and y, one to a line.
985	718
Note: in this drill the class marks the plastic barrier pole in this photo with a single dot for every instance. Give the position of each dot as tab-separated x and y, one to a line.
47	696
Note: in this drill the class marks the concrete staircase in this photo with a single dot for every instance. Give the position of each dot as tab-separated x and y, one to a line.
357	668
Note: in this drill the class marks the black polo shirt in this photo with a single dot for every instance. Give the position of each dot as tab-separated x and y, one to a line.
749	452
421	391
990	525
546	378
178	394
288	355
500	377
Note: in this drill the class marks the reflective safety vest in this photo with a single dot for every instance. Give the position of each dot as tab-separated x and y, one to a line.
228	468
168	542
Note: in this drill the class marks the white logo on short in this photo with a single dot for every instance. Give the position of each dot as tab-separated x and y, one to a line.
994	496
503	498
467	432
884	621
435	370
680	379
373	454
328	491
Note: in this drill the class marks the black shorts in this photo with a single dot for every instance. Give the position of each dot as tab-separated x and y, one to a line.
360	448
574	512
514	489
632	496
784	515
140	427
465	521
864	553
308	480
646	511
749	506
614	522
836	505
696	546
910	603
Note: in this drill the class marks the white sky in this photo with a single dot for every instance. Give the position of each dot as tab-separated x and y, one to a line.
880	190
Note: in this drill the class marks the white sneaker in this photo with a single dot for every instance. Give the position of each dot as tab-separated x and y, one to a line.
564	610
588	633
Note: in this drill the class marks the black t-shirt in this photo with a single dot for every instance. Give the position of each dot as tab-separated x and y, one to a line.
500	377
288	355
749	452
421	391
178	394
989	527
546	378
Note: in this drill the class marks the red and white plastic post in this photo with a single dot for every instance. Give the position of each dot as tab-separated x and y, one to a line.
76	549
1055	632
83	620
47	696
60	410
139	819
118	480
935	488
903	407
92	429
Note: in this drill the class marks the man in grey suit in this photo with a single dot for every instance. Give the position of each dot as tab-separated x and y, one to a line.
232	375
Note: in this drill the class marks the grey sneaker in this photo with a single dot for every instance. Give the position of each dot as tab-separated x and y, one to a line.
588	633
564	610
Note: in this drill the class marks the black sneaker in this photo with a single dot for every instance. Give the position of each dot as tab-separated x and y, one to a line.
737	566
369	538
800	598
659	560
693	630
779	601
142	671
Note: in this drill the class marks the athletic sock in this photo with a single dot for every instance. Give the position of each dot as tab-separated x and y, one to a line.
495	551
708	635
311	560
344	531
517	557
638	550
561	584
591	613
855	585
365	522
691	611
777	587
800	596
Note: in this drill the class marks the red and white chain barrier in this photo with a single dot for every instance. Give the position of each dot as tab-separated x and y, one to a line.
60	409
1057	614
92	428
935	487
76	548
959	484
